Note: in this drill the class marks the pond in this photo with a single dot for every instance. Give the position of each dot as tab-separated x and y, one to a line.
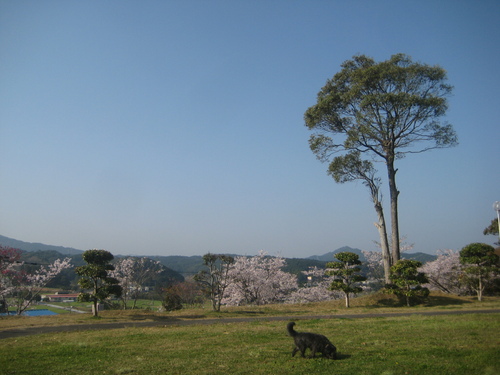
41	312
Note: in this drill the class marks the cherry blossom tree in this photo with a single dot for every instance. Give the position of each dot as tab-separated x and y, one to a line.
444	272
132	274
375	264
9	257
258	280
27	286
316	289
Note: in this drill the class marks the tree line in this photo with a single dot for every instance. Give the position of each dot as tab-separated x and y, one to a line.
257	280
261	280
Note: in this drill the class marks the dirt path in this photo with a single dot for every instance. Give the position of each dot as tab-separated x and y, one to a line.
17	332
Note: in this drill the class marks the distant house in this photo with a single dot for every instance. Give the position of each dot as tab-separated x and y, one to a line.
61	297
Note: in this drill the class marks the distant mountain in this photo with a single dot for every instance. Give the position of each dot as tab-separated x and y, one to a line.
330	257
30	246
421	257
190	265
185	265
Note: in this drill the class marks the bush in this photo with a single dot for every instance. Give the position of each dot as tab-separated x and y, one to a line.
172	301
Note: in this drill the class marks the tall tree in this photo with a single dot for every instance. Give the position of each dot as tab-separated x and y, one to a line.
346	272
382	111
96	281
215	280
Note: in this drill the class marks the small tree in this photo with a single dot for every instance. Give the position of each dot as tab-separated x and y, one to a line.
214	281
133	274
189	292
171	300
407	280
96	278
346	272
481	266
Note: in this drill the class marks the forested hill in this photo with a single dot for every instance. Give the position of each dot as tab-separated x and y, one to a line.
186	265
30	246
330	257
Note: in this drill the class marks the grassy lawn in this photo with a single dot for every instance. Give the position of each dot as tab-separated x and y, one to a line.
415	344
455	344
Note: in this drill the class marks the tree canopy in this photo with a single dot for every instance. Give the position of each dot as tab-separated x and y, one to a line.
492	229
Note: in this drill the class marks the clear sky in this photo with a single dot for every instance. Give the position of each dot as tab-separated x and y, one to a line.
176	127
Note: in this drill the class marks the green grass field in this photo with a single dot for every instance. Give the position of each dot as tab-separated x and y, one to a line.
415	344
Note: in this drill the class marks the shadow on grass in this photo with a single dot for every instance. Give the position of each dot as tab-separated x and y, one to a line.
431	301
138	316
443	300
251	313
162	318
341	356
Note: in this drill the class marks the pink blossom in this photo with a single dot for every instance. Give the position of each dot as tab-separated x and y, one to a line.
258	280
444	272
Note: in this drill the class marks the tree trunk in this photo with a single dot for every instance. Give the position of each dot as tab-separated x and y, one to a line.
382	228
347	300
480	290
384	243
394	193
95	309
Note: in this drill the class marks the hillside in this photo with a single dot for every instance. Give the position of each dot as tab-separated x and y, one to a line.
190	265
330	257
35	246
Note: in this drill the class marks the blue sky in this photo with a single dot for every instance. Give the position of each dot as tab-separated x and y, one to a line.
176	127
